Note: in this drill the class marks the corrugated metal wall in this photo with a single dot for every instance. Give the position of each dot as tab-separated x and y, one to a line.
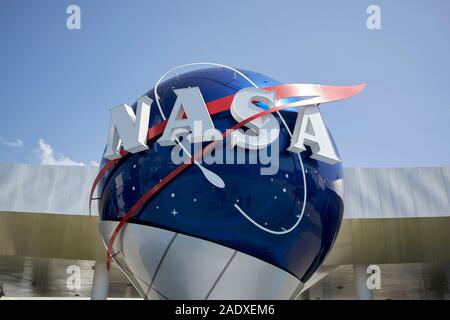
46	189
369	192
397	192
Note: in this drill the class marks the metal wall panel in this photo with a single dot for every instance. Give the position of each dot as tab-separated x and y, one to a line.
369	192
37	189
429	192
11	183
446	176
396	192
46	189
361	197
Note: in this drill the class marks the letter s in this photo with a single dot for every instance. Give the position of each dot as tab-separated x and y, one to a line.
266	129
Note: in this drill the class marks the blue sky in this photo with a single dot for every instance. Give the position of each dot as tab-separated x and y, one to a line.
57	85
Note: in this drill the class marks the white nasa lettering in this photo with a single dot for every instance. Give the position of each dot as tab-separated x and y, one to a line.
310	130
190	103
243	108
128	129
190	115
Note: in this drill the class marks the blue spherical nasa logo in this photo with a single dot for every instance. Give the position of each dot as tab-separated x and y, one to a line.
274	197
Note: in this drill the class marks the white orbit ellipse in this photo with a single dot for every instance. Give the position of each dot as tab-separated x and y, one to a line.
244	214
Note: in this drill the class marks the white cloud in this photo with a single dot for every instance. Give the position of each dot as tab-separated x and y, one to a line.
94	163
12	144
48	156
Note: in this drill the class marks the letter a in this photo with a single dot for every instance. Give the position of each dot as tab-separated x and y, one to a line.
310	130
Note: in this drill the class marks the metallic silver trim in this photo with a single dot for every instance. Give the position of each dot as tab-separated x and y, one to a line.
250	278
220	275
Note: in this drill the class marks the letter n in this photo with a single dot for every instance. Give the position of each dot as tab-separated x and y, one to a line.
128	129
